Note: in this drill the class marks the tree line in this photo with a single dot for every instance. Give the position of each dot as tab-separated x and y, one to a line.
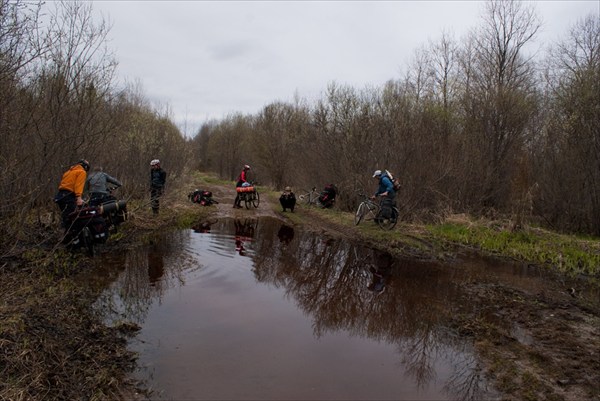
484	125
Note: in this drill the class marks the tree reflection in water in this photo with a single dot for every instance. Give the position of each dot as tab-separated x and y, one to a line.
145	274
337	283
340	285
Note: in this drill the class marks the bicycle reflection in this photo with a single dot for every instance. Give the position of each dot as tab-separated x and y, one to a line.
244	232
380	272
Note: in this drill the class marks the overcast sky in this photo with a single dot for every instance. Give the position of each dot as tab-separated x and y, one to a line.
207	59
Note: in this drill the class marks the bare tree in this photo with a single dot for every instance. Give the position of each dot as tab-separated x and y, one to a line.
569	166
501	97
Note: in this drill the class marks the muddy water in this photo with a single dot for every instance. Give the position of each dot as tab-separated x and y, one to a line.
253	309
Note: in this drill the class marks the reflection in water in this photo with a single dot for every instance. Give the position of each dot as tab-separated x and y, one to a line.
203	226
156	266
145	274
327	279
197	301
244	231
380	272
285	234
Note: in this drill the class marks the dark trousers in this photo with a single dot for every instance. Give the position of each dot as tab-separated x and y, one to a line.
155	194
67	203
237	201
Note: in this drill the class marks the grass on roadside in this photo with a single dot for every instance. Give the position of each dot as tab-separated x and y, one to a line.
570	254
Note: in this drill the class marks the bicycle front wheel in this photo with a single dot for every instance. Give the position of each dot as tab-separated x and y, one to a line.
304	198
360	213
256	199
388	224
87	241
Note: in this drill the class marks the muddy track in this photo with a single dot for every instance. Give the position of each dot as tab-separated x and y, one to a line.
225	195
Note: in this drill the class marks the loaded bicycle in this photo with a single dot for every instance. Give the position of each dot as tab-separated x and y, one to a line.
90	225
249	195
368	209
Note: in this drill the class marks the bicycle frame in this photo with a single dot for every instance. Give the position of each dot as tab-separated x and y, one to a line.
370	210
367	210
309	197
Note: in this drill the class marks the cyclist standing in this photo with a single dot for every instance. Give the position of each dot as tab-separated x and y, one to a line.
242	178
386	191
158	179
97	185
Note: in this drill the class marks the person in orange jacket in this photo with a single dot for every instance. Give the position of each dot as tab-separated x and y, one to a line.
70	189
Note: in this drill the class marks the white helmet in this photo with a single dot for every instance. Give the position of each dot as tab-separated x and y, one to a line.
154	162
377	173
246	167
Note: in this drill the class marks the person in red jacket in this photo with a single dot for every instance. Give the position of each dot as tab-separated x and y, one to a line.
70	189
242	178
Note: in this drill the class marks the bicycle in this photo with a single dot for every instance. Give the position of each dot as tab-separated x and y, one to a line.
367	210
249	195
370	210
309	197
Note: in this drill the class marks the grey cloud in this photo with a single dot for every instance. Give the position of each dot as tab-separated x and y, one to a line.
229	51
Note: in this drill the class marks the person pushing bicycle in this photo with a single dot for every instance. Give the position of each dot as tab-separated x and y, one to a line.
241	180
386	191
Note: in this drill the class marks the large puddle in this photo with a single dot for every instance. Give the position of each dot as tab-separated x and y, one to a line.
253	309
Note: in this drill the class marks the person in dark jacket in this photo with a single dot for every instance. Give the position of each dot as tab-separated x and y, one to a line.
287	199
97	186
158	179
70	190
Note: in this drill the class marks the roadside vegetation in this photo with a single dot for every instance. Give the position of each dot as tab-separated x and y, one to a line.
569	254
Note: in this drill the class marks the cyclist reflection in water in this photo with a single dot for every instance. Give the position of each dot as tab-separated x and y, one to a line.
380	272
244	231
285	234
156	266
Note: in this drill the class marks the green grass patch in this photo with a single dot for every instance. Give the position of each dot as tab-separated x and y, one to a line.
208	178
568	253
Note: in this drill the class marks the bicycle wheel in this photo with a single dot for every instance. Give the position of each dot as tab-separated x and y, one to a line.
87	241
360	213
255	199
388	224
247	200
304	198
